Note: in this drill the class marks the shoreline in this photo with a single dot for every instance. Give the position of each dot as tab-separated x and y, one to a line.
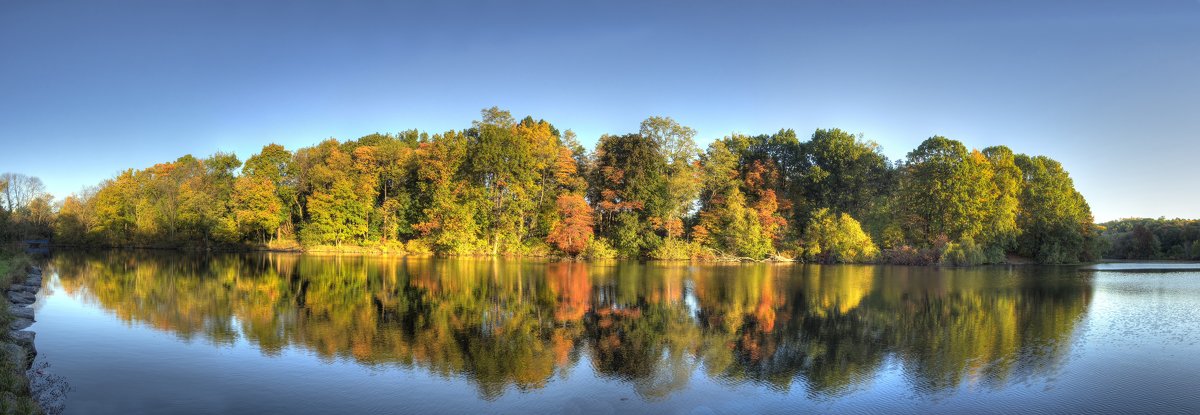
46	389
383	253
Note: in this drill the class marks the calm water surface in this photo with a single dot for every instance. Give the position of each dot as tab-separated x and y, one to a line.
141	332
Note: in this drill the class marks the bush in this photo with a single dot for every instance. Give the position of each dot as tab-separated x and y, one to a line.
284	244
995	255
392	247
892	236
963	252
417	247
598	248
831	237
908	255
309	236
678	249
536	249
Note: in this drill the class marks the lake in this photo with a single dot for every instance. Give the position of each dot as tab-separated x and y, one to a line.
139	332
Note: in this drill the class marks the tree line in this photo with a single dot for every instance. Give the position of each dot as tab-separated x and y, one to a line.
1177	239
523	187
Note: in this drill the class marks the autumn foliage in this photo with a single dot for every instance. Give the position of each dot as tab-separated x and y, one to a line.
572	233
505	186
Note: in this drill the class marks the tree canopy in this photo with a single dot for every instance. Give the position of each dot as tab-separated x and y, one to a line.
1133	238
508	186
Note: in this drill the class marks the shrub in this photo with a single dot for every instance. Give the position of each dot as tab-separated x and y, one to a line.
967	252
283	244
598	248
892	236
417	247
309	236
537	249
678	249
832	237
963	252
391	247
995	254
908	255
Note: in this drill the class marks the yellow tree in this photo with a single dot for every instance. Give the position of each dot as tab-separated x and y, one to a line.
256	206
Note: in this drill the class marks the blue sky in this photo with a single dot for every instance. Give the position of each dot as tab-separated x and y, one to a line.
1111	89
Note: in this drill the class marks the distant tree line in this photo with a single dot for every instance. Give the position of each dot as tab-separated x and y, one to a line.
1152	239
509	187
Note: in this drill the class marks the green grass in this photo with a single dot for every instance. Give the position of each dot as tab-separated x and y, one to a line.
13	266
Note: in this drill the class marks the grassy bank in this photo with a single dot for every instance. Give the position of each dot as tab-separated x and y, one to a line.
14	385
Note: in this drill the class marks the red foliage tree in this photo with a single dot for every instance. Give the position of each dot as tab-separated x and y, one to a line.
571	234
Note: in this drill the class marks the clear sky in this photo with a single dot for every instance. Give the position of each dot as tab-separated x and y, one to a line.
1111	89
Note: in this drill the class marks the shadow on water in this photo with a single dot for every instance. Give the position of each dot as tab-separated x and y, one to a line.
826	329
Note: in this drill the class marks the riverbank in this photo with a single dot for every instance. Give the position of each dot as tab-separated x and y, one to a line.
399	251
16	355
913	258
25	388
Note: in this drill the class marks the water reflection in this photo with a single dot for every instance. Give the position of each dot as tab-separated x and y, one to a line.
505	324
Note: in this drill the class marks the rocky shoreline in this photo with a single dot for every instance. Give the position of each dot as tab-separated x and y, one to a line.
46	389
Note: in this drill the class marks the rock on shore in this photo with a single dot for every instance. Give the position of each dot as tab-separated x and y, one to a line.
46	388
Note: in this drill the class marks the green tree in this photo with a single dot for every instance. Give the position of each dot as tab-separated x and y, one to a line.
726	223
204	198
631	192
256	206
1055	222
676	143
1000	226
448	203
508	161
337	205
396	210
945	191
1138	238
837	237
274	164
115	213
76	220
843	173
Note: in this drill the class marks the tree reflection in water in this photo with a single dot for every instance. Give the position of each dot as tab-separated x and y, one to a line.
655	326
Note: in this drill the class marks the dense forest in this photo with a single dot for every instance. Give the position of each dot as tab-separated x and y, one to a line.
523	187
1152	239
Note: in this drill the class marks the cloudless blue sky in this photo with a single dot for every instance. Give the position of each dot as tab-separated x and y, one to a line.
1111	89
